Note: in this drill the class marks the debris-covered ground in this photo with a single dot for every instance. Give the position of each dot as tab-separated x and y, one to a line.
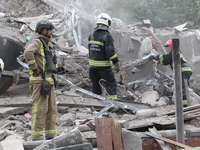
145	97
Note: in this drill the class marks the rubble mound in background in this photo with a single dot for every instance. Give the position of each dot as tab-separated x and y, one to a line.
24	8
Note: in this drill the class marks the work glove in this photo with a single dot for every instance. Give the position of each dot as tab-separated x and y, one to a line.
55	59
36	72
117	67
155	57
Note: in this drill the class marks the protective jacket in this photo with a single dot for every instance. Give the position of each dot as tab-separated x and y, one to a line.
101	49
35	53
101	53
166	59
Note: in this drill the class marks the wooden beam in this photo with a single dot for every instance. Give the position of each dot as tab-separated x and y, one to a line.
92	127
160	142
6	85
178	90
151	144
108	131
184	109
168	140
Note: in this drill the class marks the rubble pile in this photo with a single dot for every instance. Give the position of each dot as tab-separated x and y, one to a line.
145	90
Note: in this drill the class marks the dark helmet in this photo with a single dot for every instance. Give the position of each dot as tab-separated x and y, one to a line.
43	24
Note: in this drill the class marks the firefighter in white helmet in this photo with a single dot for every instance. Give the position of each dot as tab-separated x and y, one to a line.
101	54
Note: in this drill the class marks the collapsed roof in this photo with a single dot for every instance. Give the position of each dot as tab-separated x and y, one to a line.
137	82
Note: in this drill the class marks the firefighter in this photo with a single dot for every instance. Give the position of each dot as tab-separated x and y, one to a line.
44	108
186	71
101	53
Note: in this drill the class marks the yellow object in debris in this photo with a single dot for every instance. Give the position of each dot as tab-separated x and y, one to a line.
1	65
155	65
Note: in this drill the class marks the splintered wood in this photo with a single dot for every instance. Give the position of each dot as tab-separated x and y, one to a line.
108	131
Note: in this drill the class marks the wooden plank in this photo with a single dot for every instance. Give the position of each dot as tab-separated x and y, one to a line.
178	91
116	134
160	142
12	144
91	126
6	85
184	109
192	111
168	140
151	144
108	131
103	132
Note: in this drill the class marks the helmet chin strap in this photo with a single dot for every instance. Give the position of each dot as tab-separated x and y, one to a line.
46	34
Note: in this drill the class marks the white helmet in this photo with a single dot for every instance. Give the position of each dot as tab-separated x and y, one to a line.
1	65
104	19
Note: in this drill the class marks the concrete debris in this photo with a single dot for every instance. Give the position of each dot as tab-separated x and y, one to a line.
65	139
146	113
66	119
131	140
144	89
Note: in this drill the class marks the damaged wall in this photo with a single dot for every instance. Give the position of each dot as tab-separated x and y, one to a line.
9	51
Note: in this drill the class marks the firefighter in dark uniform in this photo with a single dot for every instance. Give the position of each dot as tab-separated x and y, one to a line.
101	53
186	71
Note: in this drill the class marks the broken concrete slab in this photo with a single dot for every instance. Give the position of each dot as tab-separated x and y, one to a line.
66	119
124	123
83	51
85	146
150	97
3	134
12	144
128	117
146	113
65	139
83	116
5	112
131	140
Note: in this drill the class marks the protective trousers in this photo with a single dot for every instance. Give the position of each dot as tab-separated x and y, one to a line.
185	76
107	74
44	113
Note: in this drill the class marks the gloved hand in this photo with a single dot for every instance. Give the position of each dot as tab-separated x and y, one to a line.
155	57
55	59
36	72
117	67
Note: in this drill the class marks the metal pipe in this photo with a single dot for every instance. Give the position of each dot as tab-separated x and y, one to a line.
189	89
79	32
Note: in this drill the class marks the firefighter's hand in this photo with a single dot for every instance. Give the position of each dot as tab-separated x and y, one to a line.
55	59
117	67
36	72
154	57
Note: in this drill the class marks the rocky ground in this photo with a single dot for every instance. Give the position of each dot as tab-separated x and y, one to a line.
74	67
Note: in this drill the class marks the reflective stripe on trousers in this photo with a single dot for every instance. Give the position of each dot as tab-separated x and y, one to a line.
43	107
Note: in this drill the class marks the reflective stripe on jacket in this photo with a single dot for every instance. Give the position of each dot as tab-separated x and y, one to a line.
101	49
35	57
166	59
